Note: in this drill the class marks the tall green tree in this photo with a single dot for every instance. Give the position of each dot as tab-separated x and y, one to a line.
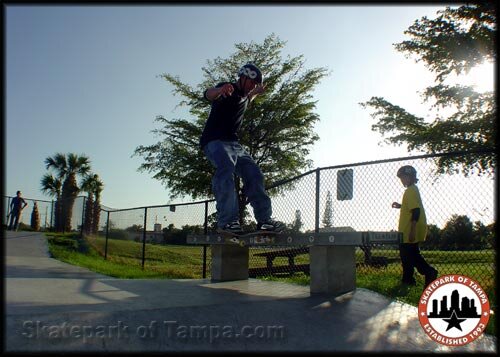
492	241
297	224
457	233
52	186
67	168
433	239
449	46
277	130
481	236
328	213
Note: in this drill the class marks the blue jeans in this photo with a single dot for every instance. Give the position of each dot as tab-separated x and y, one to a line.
229	158
14	220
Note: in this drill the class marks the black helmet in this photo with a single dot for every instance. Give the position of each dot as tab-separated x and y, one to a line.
407	170
251	71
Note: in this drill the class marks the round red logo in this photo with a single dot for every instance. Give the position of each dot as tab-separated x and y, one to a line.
454	310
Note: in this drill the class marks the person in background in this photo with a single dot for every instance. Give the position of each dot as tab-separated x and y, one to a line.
16	206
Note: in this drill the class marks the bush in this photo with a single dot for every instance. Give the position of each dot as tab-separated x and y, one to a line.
69	243
35	218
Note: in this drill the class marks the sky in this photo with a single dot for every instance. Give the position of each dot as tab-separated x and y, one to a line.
85	79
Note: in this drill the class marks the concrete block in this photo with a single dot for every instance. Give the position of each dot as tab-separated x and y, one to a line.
229	262
332	269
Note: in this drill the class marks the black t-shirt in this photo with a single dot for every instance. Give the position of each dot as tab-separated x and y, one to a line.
225	118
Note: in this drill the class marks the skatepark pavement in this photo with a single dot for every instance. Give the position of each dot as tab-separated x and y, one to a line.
54	306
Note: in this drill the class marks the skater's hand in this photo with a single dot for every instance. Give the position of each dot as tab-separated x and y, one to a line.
259	89
396	205
226	90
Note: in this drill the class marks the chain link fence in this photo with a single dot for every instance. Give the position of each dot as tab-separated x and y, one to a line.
460	214
45	213
460	210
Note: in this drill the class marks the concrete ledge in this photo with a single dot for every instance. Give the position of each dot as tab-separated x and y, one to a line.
332	258
182	315
332	269
229	262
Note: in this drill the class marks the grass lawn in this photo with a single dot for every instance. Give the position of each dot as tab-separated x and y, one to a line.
124	260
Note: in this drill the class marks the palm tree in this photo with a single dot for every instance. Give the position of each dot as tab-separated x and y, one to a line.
93	186
98	187
67	168
87	186
52	186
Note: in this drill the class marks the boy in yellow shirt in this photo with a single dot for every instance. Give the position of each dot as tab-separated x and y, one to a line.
413	225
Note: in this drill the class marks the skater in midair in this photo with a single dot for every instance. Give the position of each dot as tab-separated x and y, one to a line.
219	142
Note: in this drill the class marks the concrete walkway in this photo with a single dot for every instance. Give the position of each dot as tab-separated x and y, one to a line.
53	306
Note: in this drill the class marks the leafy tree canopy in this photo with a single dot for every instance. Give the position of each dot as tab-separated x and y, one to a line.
277	130
450	45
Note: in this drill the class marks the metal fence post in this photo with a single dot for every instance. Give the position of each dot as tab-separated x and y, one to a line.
316	213
144	236
107	235
205	230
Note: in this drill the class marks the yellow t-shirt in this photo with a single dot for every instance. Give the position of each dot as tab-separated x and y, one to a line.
411	200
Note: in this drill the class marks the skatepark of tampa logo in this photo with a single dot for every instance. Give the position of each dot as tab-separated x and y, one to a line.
454	310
